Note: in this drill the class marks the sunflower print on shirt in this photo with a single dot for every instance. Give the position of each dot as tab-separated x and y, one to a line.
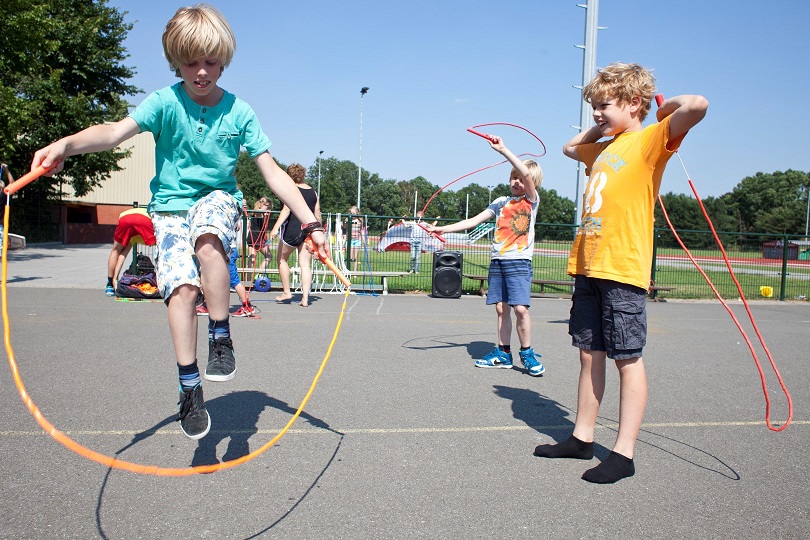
512	226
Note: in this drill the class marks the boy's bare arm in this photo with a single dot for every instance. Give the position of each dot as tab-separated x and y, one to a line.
93	139
498	145
686	110
283	186
584	137
462	225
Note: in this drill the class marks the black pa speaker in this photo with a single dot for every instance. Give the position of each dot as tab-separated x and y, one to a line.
447	274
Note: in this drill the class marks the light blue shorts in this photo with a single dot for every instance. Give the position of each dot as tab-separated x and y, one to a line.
510	281
177	233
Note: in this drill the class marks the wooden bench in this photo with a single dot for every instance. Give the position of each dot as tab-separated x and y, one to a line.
542	282
653	291
558	282
475	277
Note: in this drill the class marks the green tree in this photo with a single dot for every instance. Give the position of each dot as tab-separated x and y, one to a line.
251	182
478	200
685	215
553	208
771	202
61	70
384	199
338	184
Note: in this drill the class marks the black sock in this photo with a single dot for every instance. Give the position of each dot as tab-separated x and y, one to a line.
569	448
614	468
505	348
109	281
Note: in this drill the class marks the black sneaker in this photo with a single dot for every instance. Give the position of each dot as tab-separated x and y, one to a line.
193	416
221	362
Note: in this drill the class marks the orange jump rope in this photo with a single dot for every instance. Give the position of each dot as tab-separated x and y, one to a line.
109	461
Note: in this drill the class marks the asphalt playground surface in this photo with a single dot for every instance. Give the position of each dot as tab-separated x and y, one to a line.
403	437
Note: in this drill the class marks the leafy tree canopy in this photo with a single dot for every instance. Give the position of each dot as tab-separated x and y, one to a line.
771	203
61	70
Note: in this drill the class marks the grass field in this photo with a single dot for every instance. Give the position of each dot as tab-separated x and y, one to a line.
672	269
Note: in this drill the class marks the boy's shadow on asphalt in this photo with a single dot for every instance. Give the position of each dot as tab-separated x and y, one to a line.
544	415
238	414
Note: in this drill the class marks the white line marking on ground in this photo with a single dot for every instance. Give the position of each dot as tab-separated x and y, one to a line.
385	431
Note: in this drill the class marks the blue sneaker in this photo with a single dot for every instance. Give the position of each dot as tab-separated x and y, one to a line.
495	359
530	361
109	291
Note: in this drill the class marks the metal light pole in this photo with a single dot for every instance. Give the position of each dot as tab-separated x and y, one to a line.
320	157
588	73
360	162
807	219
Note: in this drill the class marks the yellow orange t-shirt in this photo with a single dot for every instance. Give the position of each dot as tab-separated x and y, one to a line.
615	237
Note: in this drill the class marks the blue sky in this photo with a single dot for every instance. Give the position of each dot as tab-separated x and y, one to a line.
437	67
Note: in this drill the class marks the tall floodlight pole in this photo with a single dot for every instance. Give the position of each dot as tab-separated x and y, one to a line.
588	73
360	162
807	219
320	157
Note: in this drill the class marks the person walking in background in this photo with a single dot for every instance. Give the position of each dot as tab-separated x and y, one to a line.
356	225
417	234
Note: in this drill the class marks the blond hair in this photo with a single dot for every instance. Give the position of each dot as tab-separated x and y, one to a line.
622	82
261	201
534	171
198	32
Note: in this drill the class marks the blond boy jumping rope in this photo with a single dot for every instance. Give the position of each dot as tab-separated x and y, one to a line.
199	129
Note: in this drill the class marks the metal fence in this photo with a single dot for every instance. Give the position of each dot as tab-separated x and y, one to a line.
765	266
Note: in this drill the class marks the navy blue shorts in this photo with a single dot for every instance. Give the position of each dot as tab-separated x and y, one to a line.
608	316
510	281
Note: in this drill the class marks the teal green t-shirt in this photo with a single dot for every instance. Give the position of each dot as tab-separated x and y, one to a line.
196	147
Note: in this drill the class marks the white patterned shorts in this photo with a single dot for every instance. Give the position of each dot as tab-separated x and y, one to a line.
177	233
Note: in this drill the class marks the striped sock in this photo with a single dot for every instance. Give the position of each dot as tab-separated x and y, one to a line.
219	329
189	376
